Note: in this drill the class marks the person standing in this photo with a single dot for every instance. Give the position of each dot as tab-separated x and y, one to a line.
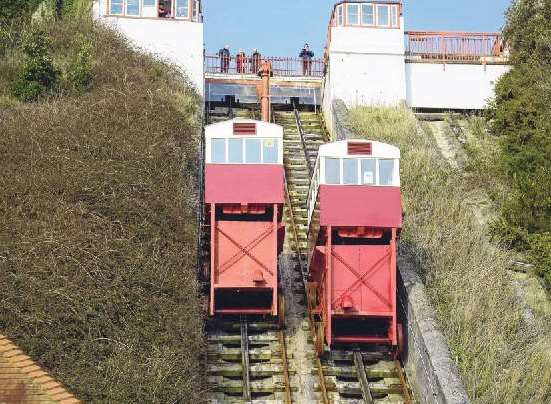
255	61
241	61
225	56
306	54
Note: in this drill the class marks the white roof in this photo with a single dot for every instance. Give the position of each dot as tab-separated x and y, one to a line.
225	129
340	149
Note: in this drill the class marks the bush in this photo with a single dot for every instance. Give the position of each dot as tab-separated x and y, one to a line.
521	119
540	254
80	71
38	74
501	358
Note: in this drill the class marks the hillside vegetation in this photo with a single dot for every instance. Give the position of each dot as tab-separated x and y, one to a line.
98	201
502	358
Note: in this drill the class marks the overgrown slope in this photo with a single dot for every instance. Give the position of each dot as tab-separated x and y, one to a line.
502	358
98	223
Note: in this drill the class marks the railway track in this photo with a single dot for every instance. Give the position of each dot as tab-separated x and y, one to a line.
255	360
344	375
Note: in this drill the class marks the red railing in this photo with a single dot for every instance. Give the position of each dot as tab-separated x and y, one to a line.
454	46
281	66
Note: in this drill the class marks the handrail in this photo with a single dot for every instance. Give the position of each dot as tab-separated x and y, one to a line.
281	66
454	46
302	134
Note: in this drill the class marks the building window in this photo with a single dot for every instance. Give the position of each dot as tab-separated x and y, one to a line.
116	7
235	151
339	16
252	151
353	14
218	151
386	172
350	172
368	14
332	171
394	16
270	151
383	17
182	8
368	173
133	7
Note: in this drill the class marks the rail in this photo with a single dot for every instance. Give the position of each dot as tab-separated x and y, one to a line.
454	46
281	66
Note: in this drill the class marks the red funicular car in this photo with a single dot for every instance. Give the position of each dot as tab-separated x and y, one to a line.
244	196
355	214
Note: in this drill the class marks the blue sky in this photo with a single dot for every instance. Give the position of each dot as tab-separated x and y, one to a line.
280	27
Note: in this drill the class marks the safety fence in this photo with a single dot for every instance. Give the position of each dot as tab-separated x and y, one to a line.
454	46
281	66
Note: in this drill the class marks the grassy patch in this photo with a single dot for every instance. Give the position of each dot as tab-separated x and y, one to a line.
500	357
98	197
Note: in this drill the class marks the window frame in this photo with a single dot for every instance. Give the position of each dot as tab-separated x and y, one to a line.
387	6
373	14
340	15
140	5
358	14
123	7
175	8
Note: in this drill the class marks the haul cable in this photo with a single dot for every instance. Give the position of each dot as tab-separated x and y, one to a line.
362	377
245	360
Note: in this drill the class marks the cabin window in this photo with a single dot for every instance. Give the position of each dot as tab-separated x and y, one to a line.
182	8
368	172
350	172
339	16
132	7
149	3
368	14
235	151
383	17
116	6
386	172
353	14
332	171
218	151
270	151
252	151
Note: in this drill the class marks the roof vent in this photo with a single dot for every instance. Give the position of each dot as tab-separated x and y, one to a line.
244	129
359	148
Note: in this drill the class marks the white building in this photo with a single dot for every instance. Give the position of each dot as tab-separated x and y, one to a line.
373	61
170	29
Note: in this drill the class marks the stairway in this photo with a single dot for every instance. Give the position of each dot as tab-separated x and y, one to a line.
296	167
220	114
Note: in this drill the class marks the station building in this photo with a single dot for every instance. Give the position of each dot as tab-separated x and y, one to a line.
169	29
369	58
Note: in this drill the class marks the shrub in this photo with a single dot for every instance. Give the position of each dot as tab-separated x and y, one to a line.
540	254
80	71
38	74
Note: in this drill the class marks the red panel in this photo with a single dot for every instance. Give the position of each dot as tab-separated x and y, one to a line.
362	280
352	205
359	148
244	183
244	128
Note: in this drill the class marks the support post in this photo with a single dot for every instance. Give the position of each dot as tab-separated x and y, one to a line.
329	283
265	73
212	255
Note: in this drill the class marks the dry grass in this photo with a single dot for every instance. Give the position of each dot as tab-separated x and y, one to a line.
98	197
501	358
